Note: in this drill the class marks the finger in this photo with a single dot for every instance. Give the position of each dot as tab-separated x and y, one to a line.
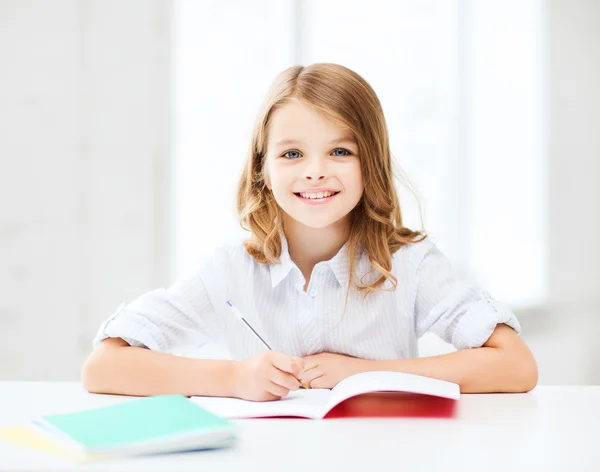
284	379
310	362
300	363
318	382
310	375
269	397
276	389
286	363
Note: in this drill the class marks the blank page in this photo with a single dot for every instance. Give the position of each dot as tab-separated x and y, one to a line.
306	403
382	381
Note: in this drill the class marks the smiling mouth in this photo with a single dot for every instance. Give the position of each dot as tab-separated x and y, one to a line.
316	199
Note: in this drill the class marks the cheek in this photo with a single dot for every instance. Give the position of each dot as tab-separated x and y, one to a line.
280	179
280	174
353	178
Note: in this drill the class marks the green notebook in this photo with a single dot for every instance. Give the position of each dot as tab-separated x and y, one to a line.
165	423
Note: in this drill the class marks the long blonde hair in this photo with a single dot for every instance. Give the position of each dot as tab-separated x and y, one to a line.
377	227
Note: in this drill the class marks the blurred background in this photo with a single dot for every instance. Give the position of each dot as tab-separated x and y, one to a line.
124	125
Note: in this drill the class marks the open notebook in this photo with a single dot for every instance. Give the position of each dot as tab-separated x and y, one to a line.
317	403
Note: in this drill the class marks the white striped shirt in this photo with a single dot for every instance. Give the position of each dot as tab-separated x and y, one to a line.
430	296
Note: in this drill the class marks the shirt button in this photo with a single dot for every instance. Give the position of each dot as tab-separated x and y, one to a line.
313	292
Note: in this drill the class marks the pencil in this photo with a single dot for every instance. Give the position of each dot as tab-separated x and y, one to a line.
241	316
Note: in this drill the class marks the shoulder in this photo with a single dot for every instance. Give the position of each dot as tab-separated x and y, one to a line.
225	253
410	256
226	256
224	268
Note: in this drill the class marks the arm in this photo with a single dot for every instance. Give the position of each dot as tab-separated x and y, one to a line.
134	348
118	368
503	364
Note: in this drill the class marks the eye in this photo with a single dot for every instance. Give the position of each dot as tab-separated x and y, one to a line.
347	153
295	154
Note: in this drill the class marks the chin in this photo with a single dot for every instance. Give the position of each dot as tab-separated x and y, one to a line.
314	218
316	224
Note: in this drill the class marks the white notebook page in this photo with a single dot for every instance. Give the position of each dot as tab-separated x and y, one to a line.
308	403
367	382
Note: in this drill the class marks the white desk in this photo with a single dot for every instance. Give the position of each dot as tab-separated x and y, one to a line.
551	428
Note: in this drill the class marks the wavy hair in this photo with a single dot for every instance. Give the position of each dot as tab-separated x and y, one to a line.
376	221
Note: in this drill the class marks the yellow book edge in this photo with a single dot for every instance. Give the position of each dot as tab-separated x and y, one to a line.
29	437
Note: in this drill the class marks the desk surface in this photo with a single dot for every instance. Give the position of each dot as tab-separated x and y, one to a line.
554	427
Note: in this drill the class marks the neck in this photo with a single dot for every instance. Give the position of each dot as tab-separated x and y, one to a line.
308	246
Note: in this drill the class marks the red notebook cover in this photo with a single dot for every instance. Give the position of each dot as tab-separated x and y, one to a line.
394	405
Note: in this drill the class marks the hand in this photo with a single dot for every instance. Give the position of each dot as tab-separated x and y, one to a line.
267	376
326	370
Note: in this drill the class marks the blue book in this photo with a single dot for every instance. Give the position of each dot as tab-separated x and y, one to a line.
150	425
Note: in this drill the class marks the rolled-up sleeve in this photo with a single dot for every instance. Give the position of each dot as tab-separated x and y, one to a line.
451	306
164	319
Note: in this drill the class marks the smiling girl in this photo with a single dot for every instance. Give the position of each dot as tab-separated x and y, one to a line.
329	276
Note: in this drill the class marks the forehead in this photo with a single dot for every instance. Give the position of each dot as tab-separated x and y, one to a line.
301	121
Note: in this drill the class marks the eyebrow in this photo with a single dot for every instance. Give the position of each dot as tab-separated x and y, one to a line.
285	142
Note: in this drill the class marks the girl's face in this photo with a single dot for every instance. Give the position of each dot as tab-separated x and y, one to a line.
312	166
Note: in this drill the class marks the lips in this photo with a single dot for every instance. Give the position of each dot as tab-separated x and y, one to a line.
322	198
315	202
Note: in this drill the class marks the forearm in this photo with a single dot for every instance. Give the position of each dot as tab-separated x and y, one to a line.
117	368
478	370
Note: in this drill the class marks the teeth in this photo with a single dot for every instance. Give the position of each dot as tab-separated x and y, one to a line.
316	195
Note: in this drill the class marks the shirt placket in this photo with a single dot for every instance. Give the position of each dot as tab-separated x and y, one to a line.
311	324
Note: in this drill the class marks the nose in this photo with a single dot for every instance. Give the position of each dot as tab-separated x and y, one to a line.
315	170
314	177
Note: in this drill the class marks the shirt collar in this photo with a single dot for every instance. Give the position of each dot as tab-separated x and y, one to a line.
339	264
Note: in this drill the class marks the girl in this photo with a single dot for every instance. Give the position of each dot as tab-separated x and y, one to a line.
329	277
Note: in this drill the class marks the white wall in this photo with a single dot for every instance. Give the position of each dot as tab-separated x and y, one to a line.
84	102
